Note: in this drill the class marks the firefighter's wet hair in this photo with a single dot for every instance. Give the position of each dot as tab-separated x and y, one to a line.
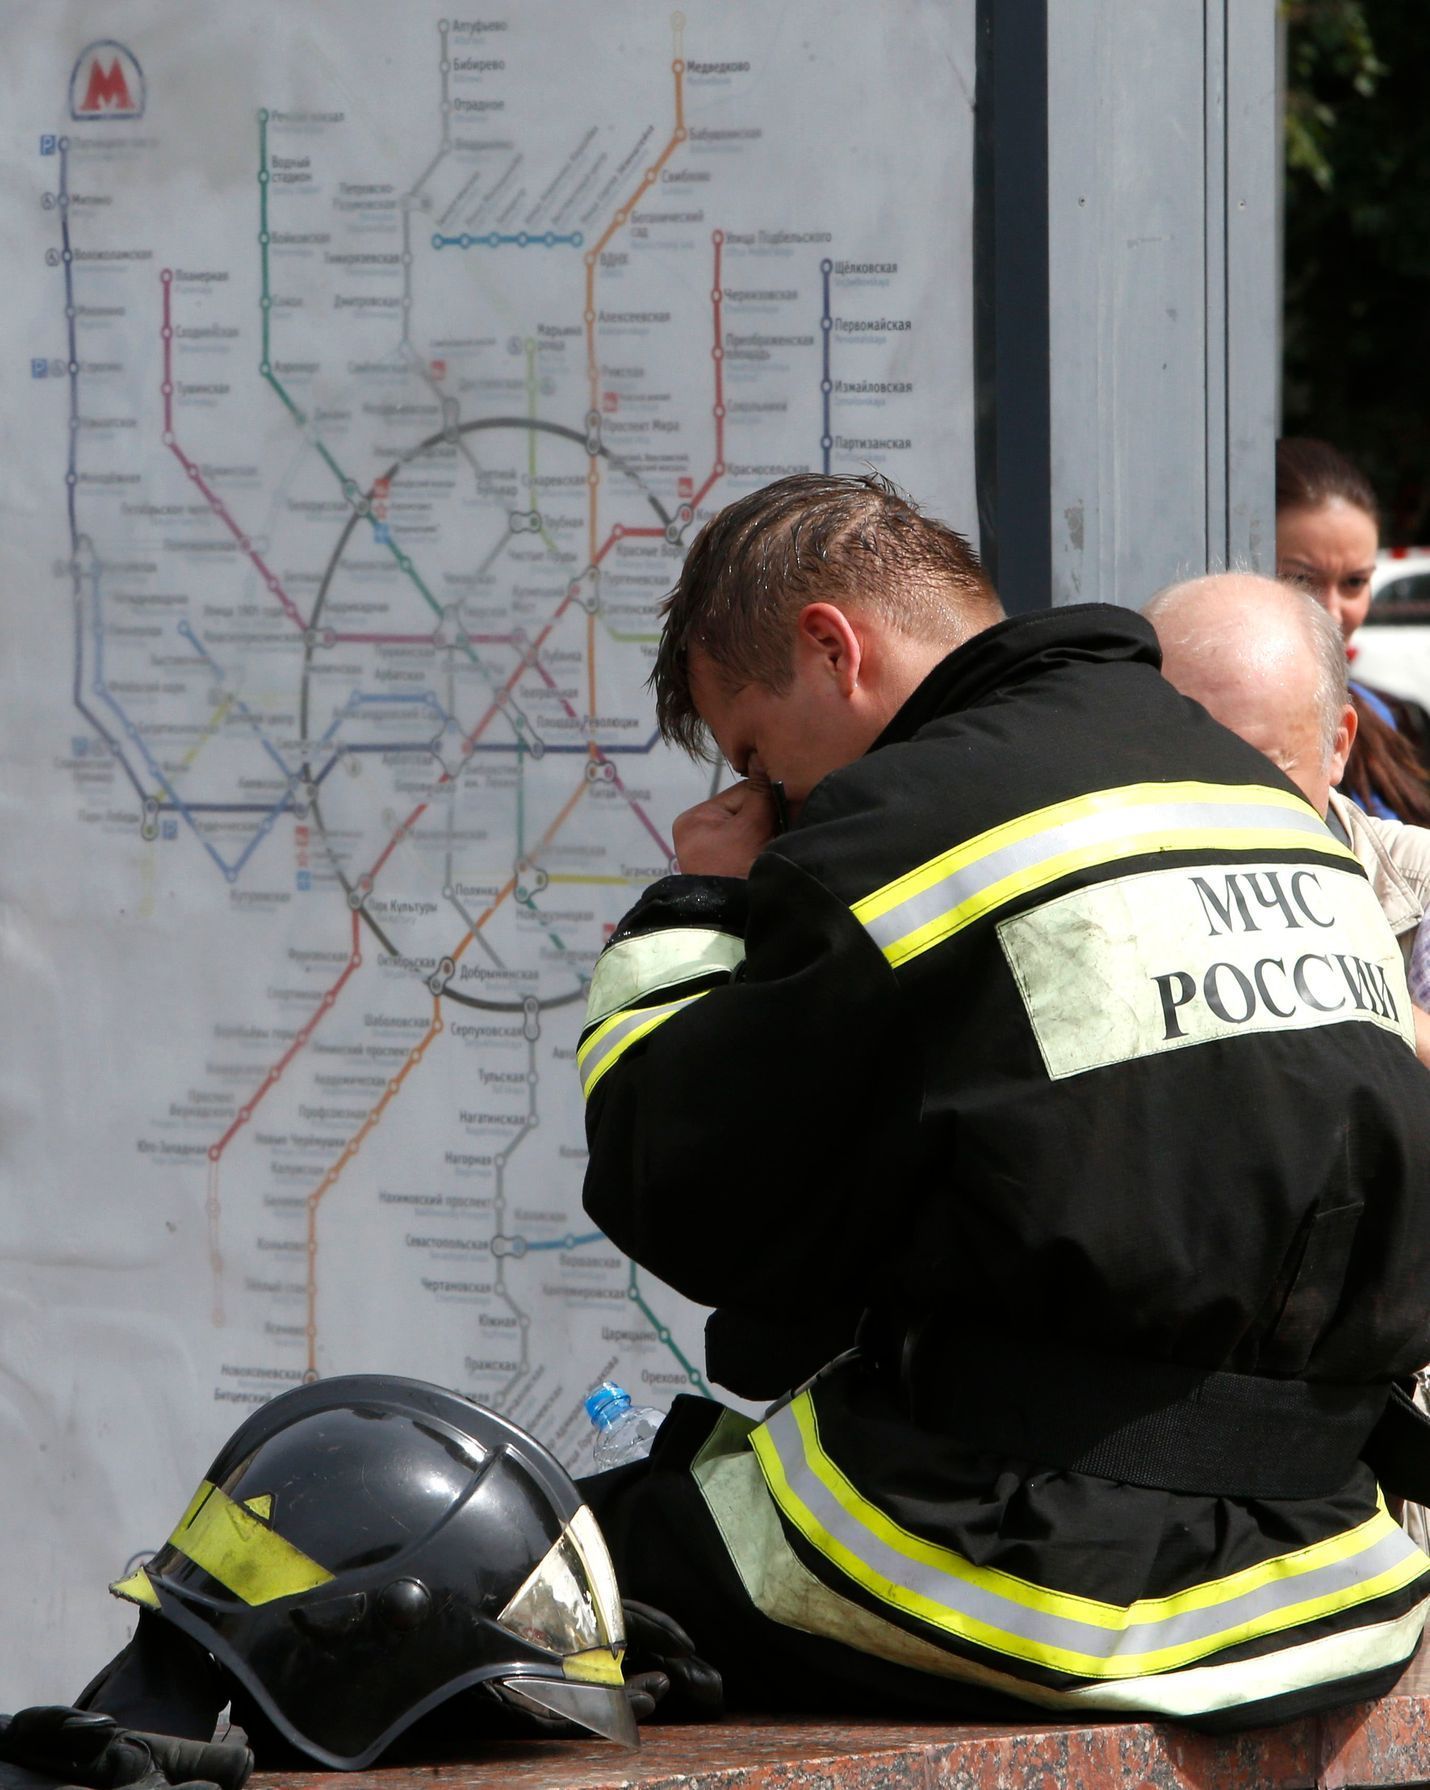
812	537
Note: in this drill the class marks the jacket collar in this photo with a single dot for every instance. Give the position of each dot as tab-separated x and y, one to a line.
1373	842
1024	646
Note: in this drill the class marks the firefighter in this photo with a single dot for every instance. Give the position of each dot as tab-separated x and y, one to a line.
1041	1105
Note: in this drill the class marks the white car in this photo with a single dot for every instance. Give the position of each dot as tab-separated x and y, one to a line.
1391	650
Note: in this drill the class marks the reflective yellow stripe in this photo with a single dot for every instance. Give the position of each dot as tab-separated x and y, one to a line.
597	1665
614	1036
933	901
1054	1629
780	1585
233	1546
636	968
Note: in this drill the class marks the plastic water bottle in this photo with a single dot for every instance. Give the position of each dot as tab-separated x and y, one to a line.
624	1431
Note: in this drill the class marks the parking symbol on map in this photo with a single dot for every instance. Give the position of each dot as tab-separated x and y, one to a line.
48	144
39	369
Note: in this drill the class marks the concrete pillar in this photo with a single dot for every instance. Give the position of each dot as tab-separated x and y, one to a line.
1127	333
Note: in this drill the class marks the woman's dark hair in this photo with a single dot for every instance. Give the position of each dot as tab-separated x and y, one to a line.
1385	760
1310	473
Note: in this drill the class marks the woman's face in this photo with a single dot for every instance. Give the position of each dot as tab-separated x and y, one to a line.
1329	550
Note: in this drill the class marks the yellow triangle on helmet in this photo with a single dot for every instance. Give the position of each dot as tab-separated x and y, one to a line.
137	1589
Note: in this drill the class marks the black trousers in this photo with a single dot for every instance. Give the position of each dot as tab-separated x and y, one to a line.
668	1552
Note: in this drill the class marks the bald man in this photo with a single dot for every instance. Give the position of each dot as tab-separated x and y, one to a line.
1267	661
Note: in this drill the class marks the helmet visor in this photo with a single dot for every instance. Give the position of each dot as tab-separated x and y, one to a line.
569	1604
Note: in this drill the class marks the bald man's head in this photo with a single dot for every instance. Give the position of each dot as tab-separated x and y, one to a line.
1266	661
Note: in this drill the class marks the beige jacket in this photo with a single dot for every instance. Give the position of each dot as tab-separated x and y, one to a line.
1396	859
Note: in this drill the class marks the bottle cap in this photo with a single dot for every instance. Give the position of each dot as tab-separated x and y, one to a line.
605	1404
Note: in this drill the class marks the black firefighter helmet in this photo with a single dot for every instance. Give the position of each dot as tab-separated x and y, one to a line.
366	1547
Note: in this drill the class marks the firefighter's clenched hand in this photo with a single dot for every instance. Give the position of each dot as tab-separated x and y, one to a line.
721	837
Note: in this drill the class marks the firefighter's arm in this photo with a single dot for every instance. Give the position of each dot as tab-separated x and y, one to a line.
752	1091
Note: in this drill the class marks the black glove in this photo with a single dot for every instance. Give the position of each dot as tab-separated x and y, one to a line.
666	1680
84	1747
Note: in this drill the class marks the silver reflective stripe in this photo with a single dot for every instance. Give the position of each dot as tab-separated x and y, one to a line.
638	967
779	1583
616	1034
966	1600
948	893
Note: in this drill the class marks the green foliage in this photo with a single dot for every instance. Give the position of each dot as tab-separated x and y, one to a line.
1357	312
1326	37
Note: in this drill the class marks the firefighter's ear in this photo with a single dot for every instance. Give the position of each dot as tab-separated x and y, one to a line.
830	645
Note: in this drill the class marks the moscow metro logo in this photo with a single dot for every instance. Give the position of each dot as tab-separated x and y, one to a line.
107	82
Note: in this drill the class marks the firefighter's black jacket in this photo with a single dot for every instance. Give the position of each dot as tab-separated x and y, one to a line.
827	1131
1059	1017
